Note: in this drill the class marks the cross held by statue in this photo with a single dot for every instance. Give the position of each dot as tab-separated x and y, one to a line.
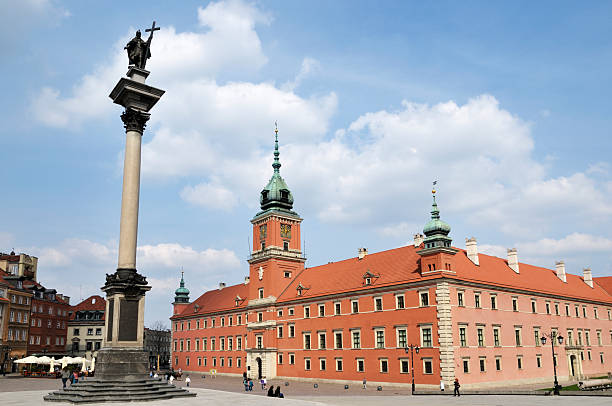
153	28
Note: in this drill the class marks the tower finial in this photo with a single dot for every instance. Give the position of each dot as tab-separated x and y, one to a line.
276	165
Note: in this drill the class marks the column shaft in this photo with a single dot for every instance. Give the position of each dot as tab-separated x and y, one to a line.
128	234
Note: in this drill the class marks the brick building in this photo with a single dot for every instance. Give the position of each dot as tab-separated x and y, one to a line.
15	334
473	316
86	327
48	321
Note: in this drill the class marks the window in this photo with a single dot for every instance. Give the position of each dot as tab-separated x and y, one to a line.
477	300
260	342
279	313
212	344
355	306
557	309
307	364
291	359
306	312
424	296
338	340
567	310
279	331
98	331
287	274
338	364
306	341
462	336
402	340
204	344
589	354
404	366
291	330
601	359
519	362
587	337
286	245
238	320
380	338
576	311
399	302
493	302
280	359
539	361
89	330
384	365
482	363
356	334
466	365
291	311
480	332
579	337
322	343
517	336
427	366
260	292
584	312
360	365
498	363
547	308
230	344
595	315
321	310
570	337
378	304
460	299
337	308
214	361
76	331
536	337
322	364
533	306
426	337
599	338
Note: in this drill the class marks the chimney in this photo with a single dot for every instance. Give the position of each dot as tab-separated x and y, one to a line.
247	279
560	268
588	277
363	252
472	249
418	239
513	260
67	299
221	285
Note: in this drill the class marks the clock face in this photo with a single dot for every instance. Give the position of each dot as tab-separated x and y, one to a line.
263	230
285	230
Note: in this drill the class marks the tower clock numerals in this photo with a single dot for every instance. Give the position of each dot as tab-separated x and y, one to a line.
285	230
263	231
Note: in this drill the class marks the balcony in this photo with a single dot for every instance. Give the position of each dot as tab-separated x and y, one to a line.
259	325
262	301
277	252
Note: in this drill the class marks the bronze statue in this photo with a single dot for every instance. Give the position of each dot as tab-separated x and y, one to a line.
138	50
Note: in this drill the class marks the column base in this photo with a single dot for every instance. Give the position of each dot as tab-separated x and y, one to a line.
122	364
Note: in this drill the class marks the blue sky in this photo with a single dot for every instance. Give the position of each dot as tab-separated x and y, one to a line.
506	105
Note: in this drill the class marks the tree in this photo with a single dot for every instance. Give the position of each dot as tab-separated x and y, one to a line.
157	339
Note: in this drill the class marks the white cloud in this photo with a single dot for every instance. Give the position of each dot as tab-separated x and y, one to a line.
174	256
209	195
308	68
230	42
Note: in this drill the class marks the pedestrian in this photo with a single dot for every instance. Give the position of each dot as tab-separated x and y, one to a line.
364	383
65	376
271	391
188	380
245	382
75	374
156	376
441	385
151	374
457	386
250	385
171	379
263	383
277	393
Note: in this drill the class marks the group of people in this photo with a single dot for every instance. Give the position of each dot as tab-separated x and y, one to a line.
73	376
248	386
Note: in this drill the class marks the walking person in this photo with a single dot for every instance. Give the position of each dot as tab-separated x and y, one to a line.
188	380
65	376
75	375
250	385
441	385
263	383
171	379
364	383
245	381
457	386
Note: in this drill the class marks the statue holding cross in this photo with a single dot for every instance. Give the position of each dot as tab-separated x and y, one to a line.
138	50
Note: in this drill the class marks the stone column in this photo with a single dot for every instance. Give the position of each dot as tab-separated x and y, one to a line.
134	122
122	356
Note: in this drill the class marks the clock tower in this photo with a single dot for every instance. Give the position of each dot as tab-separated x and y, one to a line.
277	255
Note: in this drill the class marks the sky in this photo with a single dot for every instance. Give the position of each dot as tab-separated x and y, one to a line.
506	105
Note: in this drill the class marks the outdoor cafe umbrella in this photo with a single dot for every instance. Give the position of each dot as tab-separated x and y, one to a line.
28	360
43	360
52	364
93	364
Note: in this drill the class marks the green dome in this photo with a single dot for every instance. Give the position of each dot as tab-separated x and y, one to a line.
276	194
181	295
435	225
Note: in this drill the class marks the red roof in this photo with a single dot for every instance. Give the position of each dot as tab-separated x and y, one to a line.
92	303
605	282
218	300
401	265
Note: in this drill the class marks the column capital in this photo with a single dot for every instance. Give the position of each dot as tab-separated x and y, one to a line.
134	120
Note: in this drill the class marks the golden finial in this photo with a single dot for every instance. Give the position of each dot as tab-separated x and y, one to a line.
433	188
276	127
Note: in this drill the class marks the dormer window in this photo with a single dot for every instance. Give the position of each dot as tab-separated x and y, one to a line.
368	281
300	288
369	278
264	195
284	195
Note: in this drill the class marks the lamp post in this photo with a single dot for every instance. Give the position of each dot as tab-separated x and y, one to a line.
553	335
412	349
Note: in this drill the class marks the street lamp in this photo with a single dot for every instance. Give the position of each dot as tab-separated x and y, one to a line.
412	349
553	335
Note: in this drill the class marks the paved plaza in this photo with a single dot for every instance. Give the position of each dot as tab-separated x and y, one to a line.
225	391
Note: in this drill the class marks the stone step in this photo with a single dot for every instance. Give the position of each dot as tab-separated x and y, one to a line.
116	391
99	399
131	386
120	391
